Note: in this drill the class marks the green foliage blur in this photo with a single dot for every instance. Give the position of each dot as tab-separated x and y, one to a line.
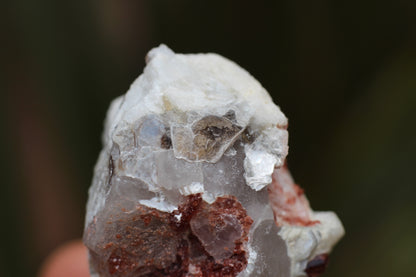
344	73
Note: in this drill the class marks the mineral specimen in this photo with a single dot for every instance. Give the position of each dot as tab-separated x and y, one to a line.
192	180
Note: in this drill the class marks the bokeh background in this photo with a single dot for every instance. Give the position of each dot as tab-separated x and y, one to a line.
344	72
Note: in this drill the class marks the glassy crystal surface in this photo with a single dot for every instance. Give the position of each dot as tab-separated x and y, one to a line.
191	180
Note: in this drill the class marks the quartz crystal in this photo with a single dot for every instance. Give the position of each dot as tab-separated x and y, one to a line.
192	180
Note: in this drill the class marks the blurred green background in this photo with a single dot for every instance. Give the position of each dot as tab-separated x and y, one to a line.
342	71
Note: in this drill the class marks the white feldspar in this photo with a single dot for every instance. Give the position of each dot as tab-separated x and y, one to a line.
193	159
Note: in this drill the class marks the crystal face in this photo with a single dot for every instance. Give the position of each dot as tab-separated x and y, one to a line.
191	180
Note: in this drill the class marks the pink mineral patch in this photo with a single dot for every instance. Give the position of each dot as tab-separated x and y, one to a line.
289	204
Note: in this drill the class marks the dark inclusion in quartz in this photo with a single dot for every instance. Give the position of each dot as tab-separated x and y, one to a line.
317	266
197	239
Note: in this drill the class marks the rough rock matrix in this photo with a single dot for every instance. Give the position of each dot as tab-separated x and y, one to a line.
192	180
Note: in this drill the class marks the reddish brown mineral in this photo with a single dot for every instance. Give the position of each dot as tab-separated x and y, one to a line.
198	239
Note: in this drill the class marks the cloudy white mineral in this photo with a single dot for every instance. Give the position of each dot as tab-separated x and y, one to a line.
192	180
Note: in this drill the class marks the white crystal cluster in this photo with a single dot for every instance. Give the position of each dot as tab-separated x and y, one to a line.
201	125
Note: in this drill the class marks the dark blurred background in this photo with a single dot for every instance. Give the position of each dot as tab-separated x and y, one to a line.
342	71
